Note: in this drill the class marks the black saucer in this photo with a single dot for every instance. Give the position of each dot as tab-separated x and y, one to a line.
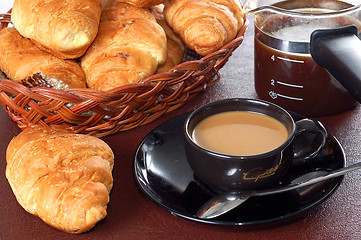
163	174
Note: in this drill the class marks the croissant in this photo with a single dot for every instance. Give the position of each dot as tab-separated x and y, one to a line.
24	62
205	25
175	45
61	177
143	3
65	28
125	51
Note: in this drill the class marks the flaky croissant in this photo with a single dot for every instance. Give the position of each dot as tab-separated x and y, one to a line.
205	25
24	62
143	3
61	177
65	28
129	47
175	45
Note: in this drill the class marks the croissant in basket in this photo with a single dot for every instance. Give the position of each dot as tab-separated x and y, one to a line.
175	45
65	28
22	61
61	177
125	51
205	25
143	3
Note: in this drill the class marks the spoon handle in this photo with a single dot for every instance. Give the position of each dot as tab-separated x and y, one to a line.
333	174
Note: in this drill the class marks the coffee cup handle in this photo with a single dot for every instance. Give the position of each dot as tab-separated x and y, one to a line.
310	138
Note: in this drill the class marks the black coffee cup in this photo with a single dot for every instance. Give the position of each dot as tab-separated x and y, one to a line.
223	172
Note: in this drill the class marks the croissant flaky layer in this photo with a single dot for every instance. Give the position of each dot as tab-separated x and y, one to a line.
129	47
143	3
20	59
65	28
61	177
205	25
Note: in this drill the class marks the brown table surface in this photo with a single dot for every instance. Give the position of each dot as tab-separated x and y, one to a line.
132	215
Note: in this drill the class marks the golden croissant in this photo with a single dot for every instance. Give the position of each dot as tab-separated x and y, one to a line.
129	47
143	3
205	25
61	177
175	45
65	28
24	62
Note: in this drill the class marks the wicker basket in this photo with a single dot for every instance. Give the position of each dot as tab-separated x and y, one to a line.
104	113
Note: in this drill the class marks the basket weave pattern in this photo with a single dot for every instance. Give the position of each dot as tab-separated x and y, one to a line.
103	113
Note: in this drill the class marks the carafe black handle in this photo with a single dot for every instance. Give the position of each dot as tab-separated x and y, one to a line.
339	51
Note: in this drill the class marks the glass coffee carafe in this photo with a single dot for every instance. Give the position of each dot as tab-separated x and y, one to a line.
285	72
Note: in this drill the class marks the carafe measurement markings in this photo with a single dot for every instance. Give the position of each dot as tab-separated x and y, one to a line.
291	60
273	82
289	85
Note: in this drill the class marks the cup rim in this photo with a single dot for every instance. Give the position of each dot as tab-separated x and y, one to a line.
240	157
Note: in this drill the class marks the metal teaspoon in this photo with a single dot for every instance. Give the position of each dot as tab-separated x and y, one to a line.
227	201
